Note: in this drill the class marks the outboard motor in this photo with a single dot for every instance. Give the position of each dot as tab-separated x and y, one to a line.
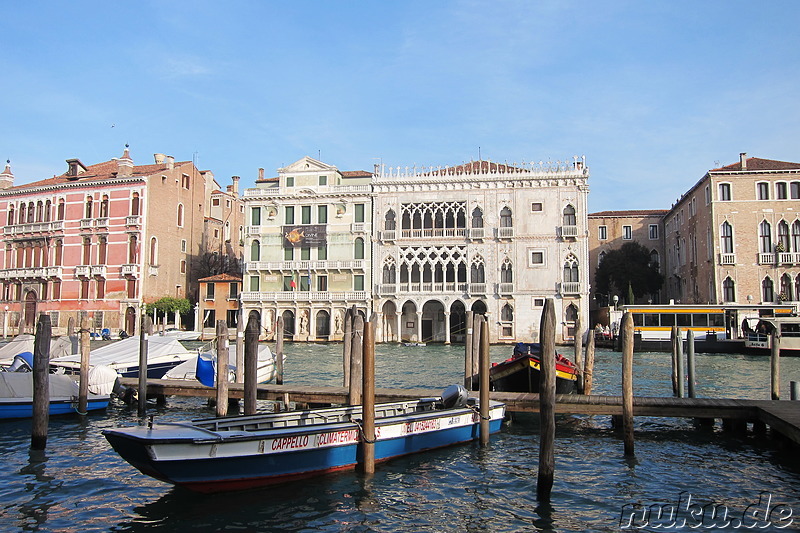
23	362
454	396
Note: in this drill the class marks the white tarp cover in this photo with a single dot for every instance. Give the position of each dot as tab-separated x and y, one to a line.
126	351
265	366
20	385
59	347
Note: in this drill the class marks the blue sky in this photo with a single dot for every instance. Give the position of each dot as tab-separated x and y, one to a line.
652	93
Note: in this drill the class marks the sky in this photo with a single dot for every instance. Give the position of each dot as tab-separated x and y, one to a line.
653	93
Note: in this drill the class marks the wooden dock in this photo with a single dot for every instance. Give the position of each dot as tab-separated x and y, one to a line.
782	416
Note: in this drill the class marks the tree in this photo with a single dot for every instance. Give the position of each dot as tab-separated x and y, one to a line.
211	263
628	268
169	305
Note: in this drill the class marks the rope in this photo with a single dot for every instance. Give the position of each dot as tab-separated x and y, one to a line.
361	431
478	412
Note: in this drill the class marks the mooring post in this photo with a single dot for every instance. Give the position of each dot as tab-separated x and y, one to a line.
356	359
477	319
679	367
483	372
775	364
675	337
279	352
627	382
690	366
251	333
83	384
240	346
71	326
221	380
578	353
146	325
468	353
547	400
588	365
41	383
368	399
347	347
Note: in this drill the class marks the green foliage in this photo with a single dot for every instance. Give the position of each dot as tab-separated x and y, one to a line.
170	305
628	267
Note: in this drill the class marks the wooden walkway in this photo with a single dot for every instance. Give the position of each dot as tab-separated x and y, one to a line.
782	416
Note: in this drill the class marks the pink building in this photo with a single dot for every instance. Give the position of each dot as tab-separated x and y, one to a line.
101	238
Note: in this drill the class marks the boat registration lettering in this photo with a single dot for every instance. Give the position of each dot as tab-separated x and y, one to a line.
421	426
337	437
290	443
453	420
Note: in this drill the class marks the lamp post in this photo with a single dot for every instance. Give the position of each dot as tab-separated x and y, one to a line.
616	300
5	323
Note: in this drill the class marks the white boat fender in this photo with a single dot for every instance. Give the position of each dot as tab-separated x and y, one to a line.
454	396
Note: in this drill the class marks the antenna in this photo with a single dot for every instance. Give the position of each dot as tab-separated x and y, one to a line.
479	153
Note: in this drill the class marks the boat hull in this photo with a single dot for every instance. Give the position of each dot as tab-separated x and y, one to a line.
522	375
23	408
207	461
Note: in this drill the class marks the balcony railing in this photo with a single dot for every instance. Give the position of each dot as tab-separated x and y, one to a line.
358	227
83	271
787	258
86	223
254	230
387	289
304	266
505	233
54	272
477	234
727	259
304	296
447	287
477	289
36	227
766	258
133	220
130	270
570	287
101	222
434	233
388	235
570	232
505	289
24	273
99	270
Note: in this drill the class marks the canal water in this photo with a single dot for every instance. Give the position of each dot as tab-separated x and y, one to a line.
79	484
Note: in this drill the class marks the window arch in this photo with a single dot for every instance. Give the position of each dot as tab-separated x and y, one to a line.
104	206
767	290
507	313
255	251
477	273
180	215
783	235
655	260
600	257
133	249
728	290
506	220
47	206
39	211
88	210
571	269
62	207
10	219
506	272
569	216
571	313
389	222
389	271
22	213
102	250
31	213
726	238
765	238
477	218
153	251
358	252
786	288
135	204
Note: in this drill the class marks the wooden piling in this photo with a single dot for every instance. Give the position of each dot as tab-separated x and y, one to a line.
251	333
221	381
679	368
240	347
468	353
347	347
775	364
476	345
578	353
83	383
279	351
690	365
146	326
368	399
675	336
356	359
547	400
483	372
71	326
588	364
627	383
41	383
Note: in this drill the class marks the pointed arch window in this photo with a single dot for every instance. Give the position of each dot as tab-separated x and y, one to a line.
389	223
786	288
571	270
767	290
477	218
796	236
133	249
506	272
728	290
506	220
569	216
765	238
389	273
507	313
600	257
783	235
477	273
571	313
726	238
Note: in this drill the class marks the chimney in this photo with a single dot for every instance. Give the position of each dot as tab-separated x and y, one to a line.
125	164
75	167
235	180
7	177
743	160
159	158
170	162
260	174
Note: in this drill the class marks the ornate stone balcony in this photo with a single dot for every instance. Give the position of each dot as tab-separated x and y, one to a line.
570	287
569	232
83	271
727	259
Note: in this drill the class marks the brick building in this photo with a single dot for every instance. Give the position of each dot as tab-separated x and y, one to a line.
102	238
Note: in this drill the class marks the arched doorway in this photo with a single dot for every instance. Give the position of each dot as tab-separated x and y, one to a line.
288	324
389	317
130	320
458	322
323	324
479	307
408	323
433	322
30	311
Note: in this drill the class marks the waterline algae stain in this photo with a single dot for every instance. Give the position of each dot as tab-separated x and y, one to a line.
80	484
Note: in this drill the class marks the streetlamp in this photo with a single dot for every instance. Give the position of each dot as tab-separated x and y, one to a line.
616	300
5	323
